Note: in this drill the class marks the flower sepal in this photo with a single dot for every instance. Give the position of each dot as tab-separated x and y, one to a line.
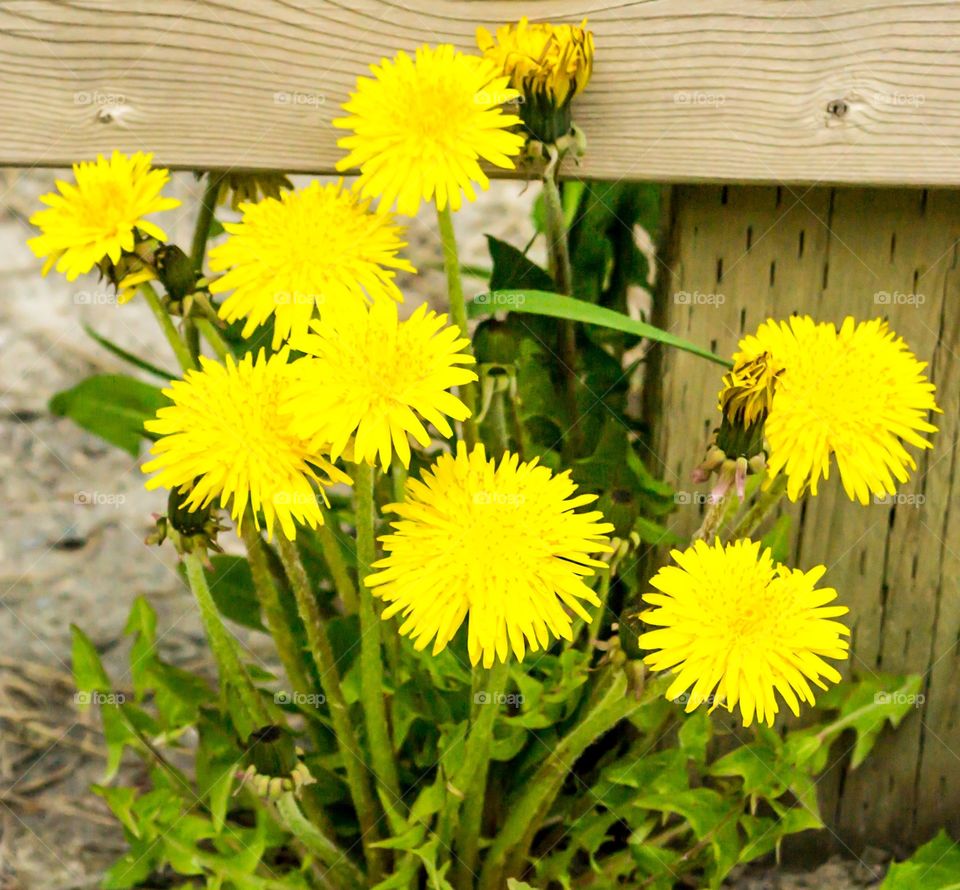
189	530
275	765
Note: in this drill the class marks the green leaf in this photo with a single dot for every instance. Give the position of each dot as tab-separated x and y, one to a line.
88	672
758	765
867	706
664	772
935	866
661	864
513	269
232	589
778	538
179	695
142	624
113	407
703	808
130	357
628	489
694	735
120	801
539	302
94	686
408	840
133	868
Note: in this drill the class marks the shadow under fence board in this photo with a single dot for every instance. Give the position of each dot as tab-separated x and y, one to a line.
742	254
818	91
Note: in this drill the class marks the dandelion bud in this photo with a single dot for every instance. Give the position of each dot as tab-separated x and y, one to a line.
274	765
248	188
548	64
183	514
176	271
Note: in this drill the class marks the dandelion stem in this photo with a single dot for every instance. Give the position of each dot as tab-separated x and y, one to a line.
342	581
191	337
765	502
213	337
347	743
398	474
603	594
371	662
202	229
495	429
508	852
560	268
179	347
269	595
489	687
224	647
712	520
556	225
340	868
458	309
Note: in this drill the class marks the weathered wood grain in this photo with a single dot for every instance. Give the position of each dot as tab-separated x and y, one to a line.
762	252
830	91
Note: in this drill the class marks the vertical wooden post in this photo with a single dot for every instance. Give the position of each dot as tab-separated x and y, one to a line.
742	254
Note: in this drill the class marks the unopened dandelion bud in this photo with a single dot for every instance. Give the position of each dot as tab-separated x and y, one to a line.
275	765
549	65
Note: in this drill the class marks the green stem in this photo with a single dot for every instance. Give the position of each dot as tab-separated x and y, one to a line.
556	226
398	477
341	870
712	520
202	229
520	436
180	349
213	337
765	502
495	433
458	310
192	338
560	268
471	780
265	585
603	594
339	713
224	647
371	662
339	572
508	853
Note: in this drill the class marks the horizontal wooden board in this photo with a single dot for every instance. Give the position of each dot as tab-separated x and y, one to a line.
774	91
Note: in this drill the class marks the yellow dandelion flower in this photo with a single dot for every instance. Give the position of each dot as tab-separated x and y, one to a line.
501	544
376	379
856	395
421	125
738	628
311	249
548	64
98	216
226	437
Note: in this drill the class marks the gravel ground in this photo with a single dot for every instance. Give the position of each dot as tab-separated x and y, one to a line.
71	544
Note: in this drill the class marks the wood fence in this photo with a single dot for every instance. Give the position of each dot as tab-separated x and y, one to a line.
775	91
